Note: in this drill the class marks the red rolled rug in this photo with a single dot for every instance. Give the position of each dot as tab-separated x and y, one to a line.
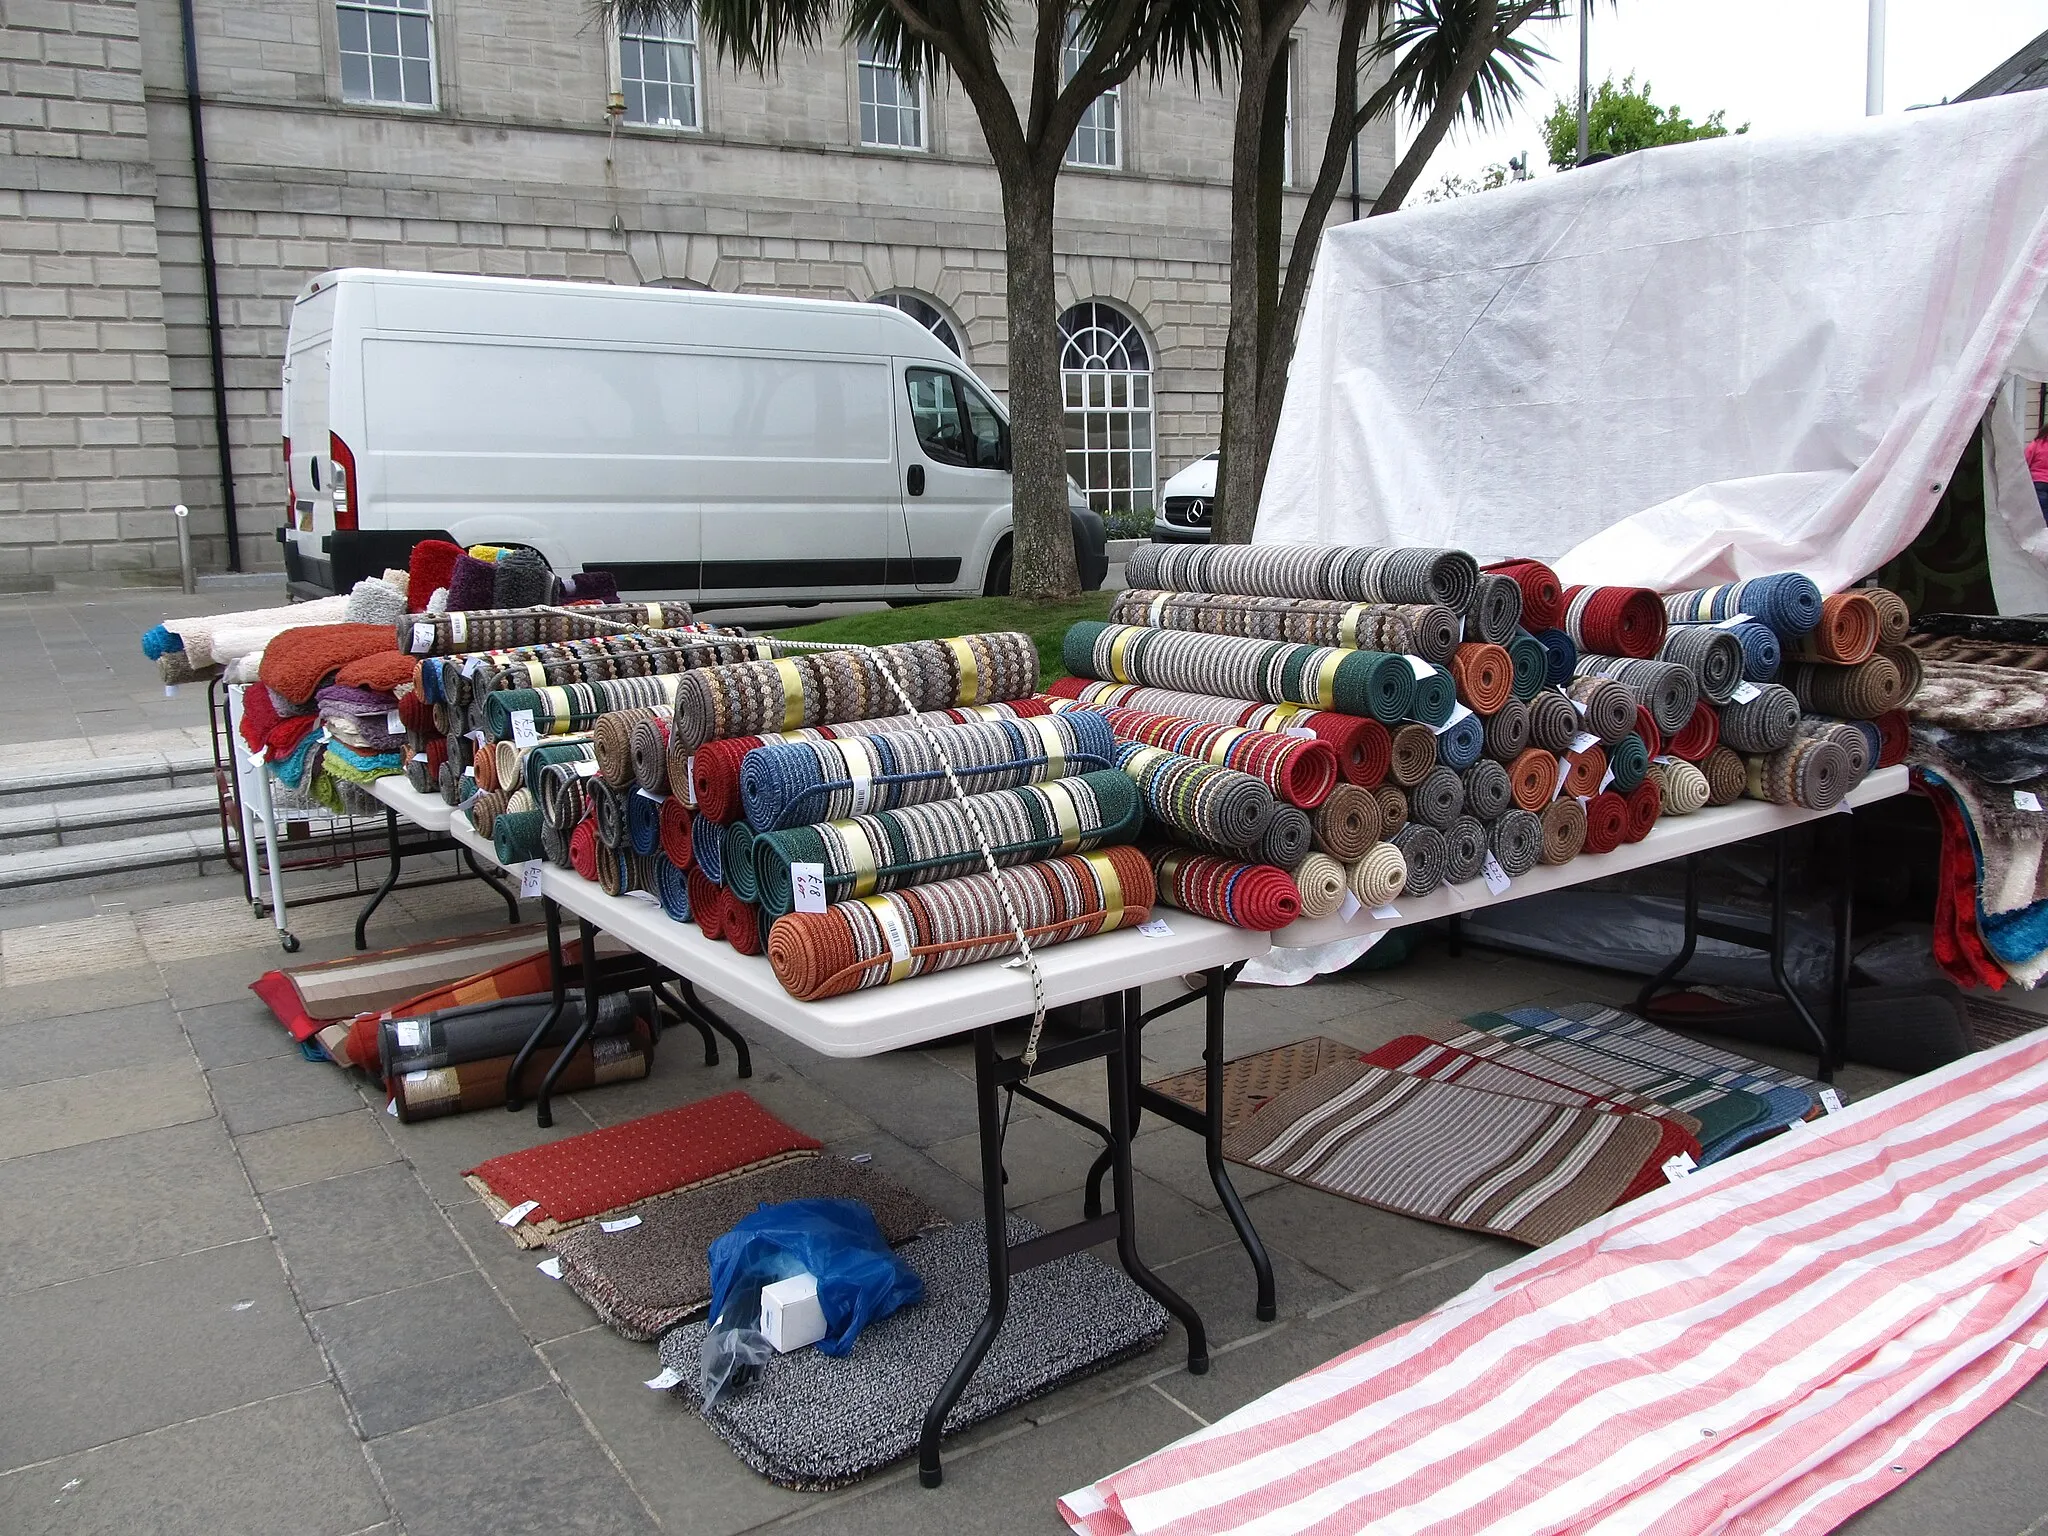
1645	804
675	832
1848	632
1701	735
742	925
1542	593
1646	728
430	566
1255	896
707	902
1532	777
715	774
583	846
1615	621
1606	822
1893	737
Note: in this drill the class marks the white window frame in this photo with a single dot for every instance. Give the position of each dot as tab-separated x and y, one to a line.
929	313
400	11
1103	397
1104	119
692	50
871	65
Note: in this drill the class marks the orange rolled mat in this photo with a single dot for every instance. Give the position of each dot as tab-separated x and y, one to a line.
1485	676
1848	633
1532	779
1584	769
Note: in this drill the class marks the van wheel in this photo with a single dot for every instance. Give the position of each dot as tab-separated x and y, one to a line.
998	582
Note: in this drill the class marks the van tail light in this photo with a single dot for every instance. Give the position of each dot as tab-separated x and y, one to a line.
291	517
341	466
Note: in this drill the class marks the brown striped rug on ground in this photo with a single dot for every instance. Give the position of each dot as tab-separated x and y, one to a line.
1252	1082
1455	1156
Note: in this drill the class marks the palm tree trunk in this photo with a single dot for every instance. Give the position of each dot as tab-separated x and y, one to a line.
1236	508
1043	552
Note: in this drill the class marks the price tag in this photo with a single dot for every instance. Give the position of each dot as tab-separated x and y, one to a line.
552	1268
623	1224
170	690
667	1380
1299	730
471	665
412	1034
1583	740
689	781
807	885
392	724
422	637
518	1213
1564	771
1831	1101
647	896
648	796
1157	928
1744	692
1676	1168
1496	877
529	877
1387	913
1350	907
1458	712
1419	667
391	1108
523	733
1578	704
2026	800
1730	623
1666	759
1607	778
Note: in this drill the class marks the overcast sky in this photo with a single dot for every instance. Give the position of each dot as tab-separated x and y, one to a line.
1782	66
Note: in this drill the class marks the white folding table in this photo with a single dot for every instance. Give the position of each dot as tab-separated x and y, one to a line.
431	814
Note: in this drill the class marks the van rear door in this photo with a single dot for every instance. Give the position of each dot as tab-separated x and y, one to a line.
309	486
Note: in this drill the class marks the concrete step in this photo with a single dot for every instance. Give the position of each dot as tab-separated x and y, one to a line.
88	778
106	817
193	848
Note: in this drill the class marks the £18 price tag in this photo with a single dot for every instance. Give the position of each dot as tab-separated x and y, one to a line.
807	885
1496	877
529	878
523	733
1155	928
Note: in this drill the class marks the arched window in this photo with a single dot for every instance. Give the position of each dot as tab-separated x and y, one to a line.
928	315
1106	373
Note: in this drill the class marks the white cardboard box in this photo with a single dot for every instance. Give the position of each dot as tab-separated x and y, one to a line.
790	1313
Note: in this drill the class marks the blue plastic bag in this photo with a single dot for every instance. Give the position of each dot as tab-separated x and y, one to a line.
859	1277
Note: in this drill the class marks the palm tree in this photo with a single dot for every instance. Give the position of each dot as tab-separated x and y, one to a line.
1028	146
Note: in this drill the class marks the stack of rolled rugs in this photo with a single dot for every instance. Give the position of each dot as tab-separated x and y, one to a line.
1315	729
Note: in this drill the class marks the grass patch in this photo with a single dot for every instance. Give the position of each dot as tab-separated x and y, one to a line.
1045	623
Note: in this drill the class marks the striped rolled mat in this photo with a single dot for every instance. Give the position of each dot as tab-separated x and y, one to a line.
1700	736
554	843
672	885
1542	592
1393	809
515	836
611	740
1287	839
1435	698
1531	661
794	783
1645	804
1604	706
1422	850
1628	760
1912	671
1507	731
1347	823
557	749
1460	743
707	900
1646	731
1564	831
676	825
1320	884
463	680
1438	799
572	707
564	793
1553	719
483	810
1495	608
1810	773
1516	838
1581	769
608	812
1361	744
493	629
1894	618
1224	890
1411	755
1763	722
1373	683
1606	822
1488	791
853	945
1788	602
736	860
1413	629
1377	876
1762	652
1713	656
1351	573
1532	779
1301	770
1614	621
1682	785
1484	675
823	687
707	849
1465	850
1667	690
1847	632
1187	795
583	848
1726	774
643	819
1858	738
922	843
1561	657
1894	737
648	749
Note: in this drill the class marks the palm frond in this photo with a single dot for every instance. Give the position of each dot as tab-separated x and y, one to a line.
753	34
1424	38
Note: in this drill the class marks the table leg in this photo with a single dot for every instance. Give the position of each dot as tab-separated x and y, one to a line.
1683	958
544	1114
1845	900
558	976
1219	1172
1781	869
390	879
509	894
710	1016
682	1011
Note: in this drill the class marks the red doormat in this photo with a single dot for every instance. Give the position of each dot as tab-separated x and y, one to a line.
616	1166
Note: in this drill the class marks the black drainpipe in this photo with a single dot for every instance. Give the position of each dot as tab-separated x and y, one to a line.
206	265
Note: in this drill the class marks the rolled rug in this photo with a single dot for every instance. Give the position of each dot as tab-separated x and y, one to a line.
1289	838
707	848
1856	738
1847	632
1347	823
1553	719
1667	690
1224	890
1564	831
856	944
736	851
451	633
1788	602
1810	773
1912	671
479	1085
1614	621
1516	838
923	843
569	708
1438	799
1645	804
643	820
1422	850
1459	744
1682	786
1377	876
1301	770
1763	723
743	925
484	767
520	578
1435	698
1646	732
567	750
1465	850
609	812
1488	791
1542	592
449	1037
1320	884
1353	573
1628	760
1894	737
1393	809
1726	774
611	870
1507	731
1484	676
583	849
1584	768
1373	683
1604	706
647	748
1762	652
672	885
1606	822
565	792
1414	629
1713	656
1531	659
1532	779
484	809
1361	744
675	832
554	843
1702	732
707	903
1893	617
1495	608
1202	799
1411	754
1561	657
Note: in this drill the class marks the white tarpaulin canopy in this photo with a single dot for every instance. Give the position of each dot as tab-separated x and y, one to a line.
1688	365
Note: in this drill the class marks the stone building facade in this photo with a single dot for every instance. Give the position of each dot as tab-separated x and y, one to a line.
517	137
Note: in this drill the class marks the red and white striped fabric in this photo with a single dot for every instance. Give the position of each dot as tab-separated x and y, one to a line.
1764	1346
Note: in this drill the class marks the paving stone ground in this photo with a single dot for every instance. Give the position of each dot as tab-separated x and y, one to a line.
240	1298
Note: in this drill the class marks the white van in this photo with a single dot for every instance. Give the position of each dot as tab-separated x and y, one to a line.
731	448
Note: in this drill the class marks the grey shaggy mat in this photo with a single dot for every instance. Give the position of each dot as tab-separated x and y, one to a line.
813	1422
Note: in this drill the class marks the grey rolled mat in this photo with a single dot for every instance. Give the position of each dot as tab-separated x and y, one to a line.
1495	610
1507	730
1438	799
1666	689
1713	656
520	578
1487	790
480	1031
1516	838
1423	848
1761	724
1604	707
1464	850
1553	721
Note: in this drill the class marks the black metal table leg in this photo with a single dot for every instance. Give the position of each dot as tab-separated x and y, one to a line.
682	1011
1780	873
543	1101
1845	900
558	976
1683	958
705	1015
390	879
510	894
1219	1172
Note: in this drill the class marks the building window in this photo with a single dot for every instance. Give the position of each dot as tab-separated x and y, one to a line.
1288	98
891	105
928	315
658	76
387	51
1098	141
1106	373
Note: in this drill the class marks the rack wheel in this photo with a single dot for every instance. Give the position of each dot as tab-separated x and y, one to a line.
290	941
256	909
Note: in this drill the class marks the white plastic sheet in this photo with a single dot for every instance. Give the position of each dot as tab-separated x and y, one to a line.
1684	366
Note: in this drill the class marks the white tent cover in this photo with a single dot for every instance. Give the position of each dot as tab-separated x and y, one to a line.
1688	365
